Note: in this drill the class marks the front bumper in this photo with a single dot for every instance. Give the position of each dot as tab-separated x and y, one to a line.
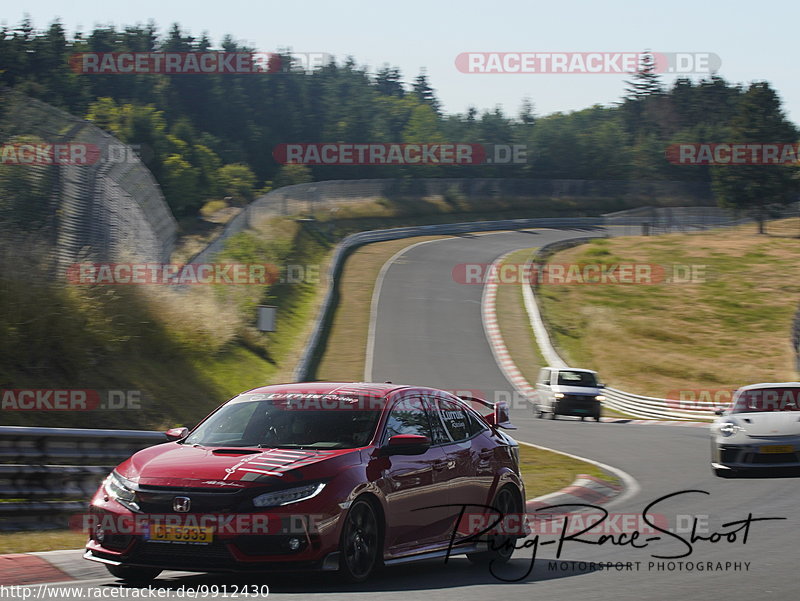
578	405
756	453
305	536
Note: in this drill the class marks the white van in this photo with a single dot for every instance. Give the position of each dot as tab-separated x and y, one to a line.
568	391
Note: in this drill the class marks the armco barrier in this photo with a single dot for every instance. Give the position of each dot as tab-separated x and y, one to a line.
46	474
306	365
632	404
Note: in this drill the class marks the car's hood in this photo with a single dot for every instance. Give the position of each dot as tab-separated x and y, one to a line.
772	423
586	390
174	464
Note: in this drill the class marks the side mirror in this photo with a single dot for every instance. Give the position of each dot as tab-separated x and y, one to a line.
176	433
406	444
719	412
601	385
500	417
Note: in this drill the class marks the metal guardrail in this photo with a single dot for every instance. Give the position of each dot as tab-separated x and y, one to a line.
640	406
330	195
46	474
306	365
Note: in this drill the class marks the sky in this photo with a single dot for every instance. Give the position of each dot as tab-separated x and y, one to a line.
753	41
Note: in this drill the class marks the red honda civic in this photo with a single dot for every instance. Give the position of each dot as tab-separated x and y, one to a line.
319	476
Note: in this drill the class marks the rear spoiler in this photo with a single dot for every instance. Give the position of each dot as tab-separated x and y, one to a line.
499	417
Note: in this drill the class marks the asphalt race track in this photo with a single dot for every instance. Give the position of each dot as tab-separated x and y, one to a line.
428	331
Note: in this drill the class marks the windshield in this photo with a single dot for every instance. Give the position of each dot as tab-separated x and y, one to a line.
767	400
577	378
308	422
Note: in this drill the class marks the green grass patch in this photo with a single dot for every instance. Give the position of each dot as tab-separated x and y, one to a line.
41	540
545	472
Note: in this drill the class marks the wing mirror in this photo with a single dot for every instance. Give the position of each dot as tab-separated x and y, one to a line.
500	417
719	412
176	433
406	444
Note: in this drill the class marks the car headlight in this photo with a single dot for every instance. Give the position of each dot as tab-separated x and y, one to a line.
290	495
121	489
599	397
729	428
559	395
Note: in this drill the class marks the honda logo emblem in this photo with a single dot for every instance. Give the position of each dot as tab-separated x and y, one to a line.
181	504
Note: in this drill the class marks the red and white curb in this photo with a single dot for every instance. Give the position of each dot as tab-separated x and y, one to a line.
496	343
584	490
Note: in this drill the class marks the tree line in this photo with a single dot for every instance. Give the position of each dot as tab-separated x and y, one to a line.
212	136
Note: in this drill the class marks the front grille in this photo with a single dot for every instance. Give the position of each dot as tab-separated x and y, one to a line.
117	542
580	400
178	555
774	458
158	500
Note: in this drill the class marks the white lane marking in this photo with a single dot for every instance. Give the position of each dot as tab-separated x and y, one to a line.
630	486
373	308
376	291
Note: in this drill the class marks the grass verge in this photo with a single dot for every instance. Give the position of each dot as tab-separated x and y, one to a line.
346	345
41	540
545	472
728	326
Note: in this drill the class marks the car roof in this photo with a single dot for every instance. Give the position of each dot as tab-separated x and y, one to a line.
591	371
380	389
771	385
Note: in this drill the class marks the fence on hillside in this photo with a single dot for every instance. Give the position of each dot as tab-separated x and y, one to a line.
106	209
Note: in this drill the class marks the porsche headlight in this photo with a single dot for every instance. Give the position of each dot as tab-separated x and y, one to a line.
599	397
559	395
120	489
290	495
729	428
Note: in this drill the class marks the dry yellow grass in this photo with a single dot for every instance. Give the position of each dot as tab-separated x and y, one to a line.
729	328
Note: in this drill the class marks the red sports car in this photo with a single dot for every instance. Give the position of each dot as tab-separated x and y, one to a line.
326	476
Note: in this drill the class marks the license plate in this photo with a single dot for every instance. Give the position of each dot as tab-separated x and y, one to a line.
776	449
198	535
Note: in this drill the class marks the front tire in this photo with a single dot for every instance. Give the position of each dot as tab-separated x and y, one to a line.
133	574
501	547
359	544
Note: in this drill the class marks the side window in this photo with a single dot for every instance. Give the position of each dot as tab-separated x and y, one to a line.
408	417
440	435
455	420
475	423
